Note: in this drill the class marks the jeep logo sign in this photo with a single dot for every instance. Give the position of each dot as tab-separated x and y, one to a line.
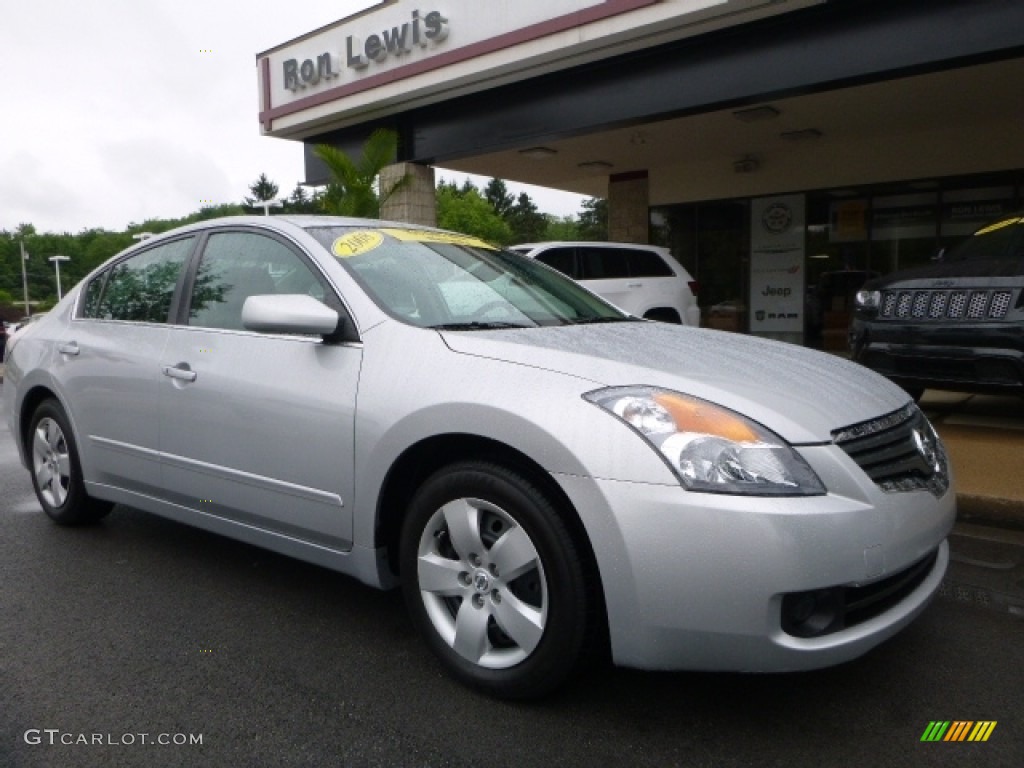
420	31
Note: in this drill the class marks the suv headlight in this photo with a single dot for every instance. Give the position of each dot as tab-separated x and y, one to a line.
710	448
868	299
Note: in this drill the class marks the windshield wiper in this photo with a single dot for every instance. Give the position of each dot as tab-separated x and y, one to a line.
476	325
592	320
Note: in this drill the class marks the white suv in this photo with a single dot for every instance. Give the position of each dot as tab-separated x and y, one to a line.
643	280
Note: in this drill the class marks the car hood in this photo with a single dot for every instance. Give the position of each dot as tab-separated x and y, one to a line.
799	394
949	270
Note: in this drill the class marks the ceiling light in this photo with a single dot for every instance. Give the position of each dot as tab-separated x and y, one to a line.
753	114
595	165
807	134
746	164
538	153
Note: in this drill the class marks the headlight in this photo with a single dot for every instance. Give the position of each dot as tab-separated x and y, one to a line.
868	299
710	448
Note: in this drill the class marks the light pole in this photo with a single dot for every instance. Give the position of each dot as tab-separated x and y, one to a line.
24	276
56	265
267	205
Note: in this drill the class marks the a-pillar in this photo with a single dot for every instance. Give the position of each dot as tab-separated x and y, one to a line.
413	200
628	207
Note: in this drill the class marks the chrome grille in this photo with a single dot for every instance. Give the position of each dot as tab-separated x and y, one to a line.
976	306
920	304
944	304
1000	304
899	451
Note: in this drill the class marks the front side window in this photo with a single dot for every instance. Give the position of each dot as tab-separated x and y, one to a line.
237	265
141	287
448	281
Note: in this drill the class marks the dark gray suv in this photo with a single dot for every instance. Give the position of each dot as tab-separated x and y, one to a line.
957	324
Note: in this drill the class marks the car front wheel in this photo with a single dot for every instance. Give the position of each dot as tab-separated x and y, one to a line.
56	472
494	581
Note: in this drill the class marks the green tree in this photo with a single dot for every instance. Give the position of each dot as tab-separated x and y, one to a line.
593	219
465	210
263	189
501	200
354	188
562	228
300	201
528	224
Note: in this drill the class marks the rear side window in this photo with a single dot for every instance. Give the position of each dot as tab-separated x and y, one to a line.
562	259
647	264
139	288
603	263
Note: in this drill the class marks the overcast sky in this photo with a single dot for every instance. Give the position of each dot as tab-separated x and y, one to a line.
115	111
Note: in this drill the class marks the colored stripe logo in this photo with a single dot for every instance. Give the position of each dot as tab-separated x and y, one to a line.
958	730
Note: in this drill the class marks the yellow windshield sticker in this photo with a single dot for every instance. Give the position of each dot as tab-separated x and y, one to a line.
998	225
426	236
356	243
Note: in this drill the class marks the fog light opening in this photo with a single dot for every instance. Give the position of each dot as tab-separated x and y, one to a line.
810	614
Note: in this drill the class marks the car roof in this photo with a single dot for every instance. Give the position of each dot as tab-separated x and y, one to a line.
524	247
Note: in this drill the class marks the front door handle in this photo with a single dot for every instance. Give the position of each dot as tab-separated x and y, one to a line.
69	348
634	285
180	371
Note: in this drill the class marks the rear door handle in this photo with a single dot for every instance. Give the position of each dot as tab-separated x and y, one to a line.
634	285
180	371
70	348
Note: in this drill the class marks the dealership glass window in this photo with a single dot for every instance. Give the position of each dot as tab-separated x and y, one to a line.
712	240
838	264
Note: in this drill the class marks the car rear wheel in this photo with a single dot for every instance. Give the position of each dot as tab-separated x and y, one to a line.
56	472
494	581
663	315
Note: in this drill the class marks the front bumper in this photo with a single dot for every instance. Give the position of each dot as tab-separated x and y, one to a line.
699	581
975	357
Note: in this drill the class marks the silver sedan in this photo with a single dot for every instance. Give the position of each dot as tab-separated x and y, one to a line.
548	479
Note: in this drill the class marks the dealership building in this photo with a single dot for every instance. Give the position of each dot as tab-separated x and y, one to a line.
784	150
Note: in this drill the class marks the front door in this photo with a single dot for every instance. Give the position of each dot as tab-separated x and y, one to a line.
258	428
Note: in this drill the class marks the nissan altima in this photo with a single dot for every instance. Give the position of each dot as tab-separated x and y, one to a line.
549	480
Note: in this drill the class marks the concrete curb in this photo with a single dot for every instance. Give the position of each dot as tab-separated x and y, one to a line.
991	511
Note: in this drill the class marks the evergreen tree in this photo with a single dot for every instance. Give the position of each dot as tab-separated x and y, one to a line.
593	219
497	194
528	224
263	189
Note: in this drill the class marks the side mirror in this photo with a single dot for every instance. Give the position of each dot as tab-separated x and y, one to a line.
289	313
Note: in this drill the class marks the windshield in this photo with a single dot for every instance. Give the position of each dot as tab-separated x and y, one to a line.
997	241
444	280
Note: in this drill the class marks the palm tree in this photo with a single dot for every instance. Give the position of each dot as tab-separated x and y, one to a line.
354	189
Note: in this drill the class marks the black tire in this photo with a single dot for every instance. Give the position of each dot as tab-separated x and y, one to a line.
527	632
56	470
664	315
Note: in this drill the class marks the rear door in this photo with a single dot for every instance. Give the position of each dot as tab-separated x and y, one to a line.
258	428
110	365
605	271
